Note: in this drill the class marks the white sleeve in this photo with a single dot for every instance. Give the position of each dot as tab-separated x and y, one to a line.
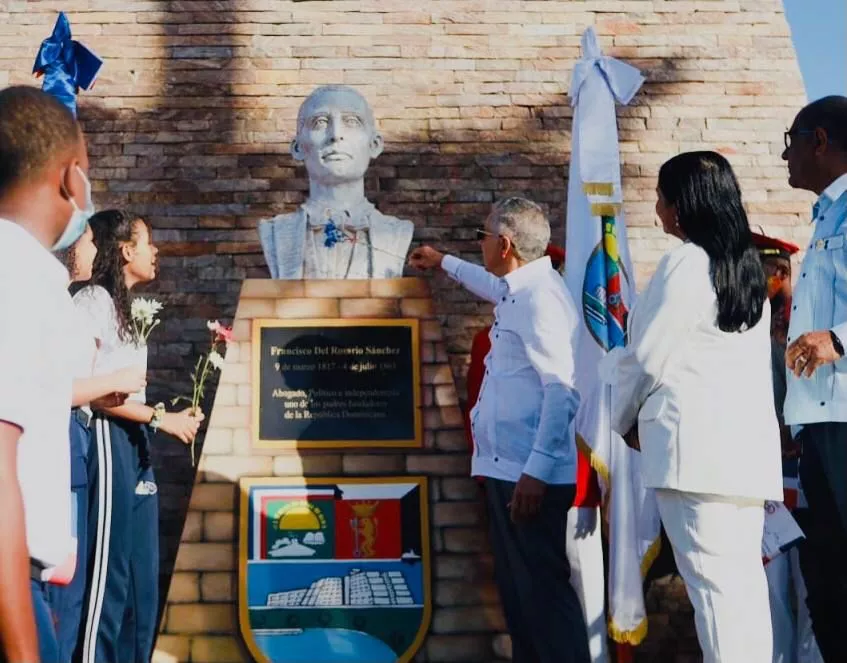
549	340
678	296
19	358
95	304
475	278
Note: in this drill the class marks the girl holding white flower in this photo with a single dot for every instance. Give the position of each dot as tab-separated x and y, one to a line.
122	598
66	590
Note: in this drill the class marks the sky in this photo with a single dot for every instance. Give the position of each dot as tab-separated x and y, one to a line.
819	31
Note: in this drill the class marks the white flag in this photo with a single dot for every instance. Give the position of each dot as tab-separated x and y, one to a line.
599	275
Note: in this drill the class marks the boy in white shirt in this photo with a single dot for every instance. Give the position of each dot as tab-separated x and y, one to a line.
44	196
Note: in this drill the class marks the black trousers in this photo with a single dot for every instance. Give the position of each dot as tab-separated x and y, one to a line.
823	555
531	567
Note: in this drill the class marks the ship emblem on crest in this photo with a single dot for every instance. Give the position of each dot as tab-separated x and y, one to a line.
335	570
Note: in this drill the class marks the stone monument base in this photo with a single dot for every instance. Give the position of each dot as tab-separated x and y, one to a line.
201	617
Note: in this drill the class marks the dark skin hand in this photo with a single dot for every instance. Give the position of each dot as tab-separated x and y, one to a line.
812	350
527	498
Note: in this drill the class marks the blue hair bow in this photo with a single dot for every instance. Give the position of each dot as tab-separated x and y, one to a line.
66	64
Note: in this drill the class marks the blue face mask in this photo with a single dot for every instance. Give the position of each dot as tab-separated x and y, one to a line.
79	219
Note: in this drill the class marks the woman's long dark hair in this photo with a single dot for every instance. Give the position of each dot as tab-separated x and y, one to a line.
707	197
112	229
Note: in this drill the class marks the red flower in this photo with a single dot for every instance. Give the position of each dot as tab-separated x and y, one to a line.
223	334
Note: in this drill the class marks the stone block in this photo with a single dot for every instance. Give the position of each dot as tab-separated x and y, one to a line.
193	528
232	468
219	526
465	540
272	289
217	441
292	465
221	649
445	395
438	464
369	308
436	374
298	309
205	557
229	417
185	588
400	288
342	289
202	618
449	514
451	440
217	587
255	308
430	330
213	497
477	619
454	648
417	308
358	464
172	649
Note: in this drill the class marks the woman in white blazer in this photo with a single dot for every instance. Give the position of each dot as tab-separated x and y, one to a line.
693	389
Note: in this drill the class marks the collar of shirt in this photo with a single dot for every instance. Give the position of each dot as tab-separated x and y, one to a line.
835	190
14	235
525	276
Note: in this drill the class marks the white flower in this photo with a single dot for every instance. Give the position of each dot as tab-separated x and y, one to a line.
145	310
216	360
144	319
213	325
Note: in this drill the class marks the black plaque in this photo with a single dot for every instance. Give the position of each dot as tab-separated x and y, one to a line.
336	383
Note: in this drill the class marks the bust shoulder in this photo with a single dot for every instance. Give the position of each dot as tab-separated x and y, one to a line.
281	225
281	238
391	220
403	229
281	220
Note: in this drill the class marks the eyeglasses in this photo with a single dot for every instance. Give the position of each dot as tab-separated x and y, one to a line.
789	135
482	233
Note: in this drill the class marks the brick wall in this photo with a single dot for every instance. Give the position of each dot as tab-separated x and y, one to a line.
190	122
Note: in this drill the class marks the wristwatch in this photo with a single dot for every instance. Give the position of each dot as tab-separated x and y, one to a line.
836	343
158	415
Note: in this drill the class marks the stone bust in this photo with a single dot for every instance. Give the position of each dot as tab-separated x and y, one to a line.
337	233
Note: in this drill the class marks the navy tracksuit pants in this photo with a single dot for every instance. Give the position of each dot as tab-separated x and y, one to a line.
66	601
119	620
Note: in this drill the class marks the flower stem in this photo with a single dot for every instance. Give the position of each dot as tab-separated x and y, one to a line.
195	397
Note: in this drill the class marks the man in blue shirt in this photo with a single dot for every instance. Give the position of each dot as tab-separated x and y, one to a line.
816	401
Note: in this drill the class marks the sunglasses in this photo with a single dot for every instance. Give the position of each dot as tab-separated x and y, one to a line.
788	136
482	233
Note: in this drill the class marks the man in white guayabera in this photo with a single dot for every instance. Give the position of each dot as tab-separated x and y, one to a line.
523	428
337	233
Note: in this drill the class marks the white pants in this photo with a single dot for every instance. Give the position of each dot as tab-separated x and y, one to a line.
717	544
793	639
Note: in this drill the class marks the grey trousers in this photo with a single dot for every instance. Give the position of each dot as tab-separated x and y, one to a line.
531	568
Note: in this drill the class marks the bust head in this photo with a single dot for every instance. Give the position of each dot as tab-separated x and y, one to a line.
336	135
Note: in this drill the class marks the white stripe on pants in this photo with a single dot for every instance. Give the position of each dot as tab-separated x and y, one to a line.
717	544
100	569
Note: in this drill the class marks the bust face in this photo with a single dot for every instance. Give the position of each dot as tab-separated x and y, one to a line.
336	136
